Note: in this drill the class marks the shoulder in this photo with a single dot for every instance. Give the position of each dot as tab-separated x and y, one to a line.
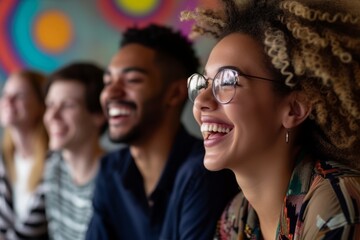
338	182
194	177
333	198
232	217
235	205
53	159
192	167
52	164
114	160
5	186
185	164
2	167
195	156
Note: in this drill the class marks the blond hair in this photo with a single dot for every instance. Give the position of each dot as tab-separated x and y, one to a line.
39	138
315	46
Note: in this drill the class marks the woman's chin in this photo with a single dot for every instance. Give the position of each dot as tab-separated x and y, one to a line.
213	163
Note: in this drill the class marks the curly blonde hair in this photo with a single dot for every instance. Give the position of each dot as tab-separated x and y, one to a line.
315	46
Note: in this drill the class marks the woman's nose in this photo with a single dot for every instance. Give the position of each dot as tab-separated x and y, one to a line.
205	101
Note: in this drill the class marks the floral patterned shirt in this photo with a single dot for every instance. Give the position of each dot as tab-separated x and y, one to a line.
322	202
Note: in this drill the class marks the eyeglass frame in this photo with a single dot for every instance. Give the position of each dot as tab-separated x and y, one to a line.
238	72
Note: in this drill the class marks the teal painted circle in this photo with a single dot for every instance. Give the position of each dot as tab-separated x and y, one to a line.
22	28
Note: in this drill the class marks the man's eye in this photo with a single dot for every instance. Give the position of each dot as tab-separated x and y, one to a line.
133	80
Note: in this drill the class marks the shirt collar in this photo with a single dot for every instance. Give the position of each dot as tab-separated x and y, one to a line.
132	177
178	155
298	187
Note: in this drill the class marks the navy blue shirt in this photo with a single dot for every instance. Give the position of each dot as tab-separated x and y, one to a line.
186	203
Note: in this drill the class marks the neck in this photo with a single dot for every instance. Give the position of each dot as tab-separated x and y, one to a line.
267	186
23	141
152	154
83	161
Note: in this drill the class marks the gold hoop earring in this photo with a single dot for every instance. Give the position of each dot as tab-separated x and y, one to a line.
287	136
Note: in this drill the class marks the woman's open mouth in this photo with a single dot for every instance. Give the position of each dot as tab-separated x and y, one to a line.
214	130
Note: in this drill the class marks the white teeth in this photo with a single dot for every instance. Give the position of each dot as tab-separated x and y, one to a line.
205	127
113	112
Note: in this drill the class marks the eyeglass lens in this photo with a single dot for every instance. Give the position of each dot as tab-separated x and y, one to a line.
223	85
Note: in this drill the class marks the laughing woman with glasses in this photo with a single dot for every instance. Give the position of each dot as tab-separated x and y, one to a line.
279	105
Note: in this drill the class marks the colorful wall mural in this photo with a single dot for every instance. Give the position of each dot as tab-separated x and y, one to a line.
44	34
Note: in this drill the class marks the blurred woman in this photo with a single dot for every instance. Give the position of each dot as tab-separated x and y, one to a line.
23	153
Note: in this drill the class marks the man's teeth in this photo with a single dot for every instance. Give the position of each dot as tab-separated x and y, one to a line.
205	127
113	112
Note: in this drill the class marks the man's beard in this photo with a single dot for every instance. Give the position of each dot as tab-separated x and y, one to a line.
128	138
150	120
138	132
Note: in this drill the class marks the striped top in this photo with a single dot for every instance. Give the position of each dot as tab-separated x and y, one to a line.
322	202
68	206
34	225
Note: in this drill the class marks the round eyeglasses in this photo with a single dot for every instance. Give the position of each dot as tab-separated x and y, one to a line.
223	84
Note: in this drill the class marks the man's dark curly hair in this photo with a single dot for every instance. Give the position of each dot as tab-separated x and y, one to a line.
174	51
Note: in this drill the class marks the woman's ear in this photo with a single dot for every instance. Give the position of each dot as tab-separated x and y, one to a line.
176	93
297	111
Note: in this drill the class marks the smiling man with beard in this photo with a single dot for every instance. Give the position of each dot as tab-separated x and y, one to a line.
157	186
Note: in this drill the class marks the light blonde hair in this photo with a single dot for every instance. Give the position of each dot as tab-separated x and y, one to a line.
40	137
314	45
